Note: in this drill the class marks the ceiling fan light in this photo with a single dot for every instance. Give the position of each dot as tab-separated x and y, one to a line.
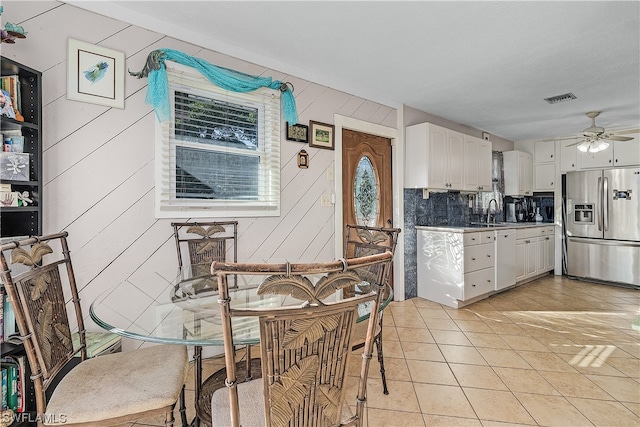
584	146
599	146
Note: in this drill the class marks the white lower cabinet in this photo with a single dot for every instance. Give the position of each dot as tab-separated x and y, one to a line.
455	267
534	252
461	266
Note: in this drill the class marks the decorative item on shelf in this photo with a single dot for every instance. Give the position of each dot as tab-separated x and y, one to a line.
11	32
321	135
95	74
303	159
14	166
297	132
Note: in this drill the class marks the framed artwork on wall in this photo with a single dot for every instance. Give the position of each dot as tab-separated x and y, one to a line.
95	74
321	135
297	132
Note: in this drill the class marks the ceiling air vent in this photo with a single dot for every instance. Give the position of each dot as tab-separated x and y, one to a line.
560	98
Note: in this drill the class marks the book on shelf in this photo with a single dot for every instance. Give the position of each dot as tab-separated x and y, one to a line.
16	382
5	403
10	86
2	316
9	318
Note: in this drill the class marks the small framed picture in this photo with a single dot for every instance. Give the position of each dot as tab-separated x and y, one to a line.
297	132
95	74
321	135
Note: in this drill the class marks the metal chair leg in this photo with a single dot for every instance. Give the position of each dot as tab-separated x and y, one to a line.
378	341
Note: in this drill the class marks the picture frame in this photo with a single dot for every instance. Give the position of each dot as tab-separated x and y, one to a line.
321	135
95	74
297	132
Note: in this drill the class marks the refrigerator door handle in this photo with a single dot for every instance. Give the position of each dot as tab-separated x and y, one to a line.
599	211
605	203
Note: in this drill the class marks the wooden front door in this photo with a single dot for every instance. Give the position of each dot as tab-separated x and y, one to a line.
367	190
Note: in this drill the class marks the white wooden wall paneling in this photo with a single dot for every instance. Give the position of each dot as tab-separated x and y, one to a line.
81	186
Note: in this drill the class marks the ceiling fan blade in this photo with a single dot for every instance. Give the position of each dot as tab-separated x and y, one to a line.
575	143
619	138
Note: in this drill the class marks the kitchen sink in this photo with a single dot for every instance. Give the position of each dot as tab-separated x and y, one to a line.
485	225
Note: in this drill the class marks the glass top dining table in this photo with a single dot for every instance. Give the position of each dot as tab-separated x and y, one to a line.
184	308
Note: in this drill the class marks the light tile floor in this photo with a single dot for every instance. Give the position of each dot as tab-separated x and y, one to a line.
554	352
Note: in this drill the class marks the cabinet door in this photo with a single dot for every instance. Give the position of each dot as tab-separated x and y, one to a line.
471	154
485	165
525	173
544	151
415	156
531	257
601	159
456	160
549	253
627	153
521	271
437	154
545	177
568	156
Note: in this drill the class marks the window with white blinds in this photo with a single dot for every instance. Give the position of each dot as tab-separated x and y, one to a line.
219	155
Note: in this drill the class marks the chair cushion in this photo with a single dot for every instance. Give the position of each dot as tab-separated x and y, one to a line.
251	403
250	400
118	385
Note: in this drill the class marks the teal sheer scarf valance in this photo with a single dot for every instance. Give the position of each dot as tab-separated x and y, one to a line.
158	85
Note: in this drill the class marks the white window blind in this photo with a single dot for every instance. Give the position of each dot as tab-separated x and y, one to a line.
219	155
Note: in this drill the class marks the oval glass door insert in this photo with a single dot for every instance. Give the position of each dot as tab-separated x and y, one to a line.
366	193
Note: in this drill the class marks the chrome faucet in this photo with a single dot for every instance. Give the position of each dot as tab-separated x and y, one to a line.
489	211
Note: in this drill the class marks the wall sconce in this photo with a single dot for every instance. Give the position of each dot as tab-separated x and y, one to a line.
303	159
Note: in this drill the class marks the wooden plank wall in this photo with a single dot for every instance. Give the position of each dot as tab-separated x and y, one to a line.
99	161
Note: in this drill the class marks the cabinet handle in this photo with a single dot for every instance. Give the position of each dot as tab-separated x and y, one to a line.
572	165
551	183
473	238
616	160
552	156
473	286
473	259
527	241
609	160
489	280
488	256
546	238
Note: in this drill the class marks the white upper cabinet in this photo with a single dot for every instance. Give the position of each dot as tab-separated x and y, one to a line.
434	157
544	151
518	176
568	155
477	161
627	153
619	153
544	169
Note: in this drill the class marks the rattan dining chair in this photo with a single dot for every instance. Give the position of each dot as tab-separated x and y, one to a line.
304	348
198	244
105	390
361	240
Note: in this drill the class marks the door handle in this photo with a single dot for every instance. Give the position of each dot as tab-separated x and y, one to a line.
599	204
605	203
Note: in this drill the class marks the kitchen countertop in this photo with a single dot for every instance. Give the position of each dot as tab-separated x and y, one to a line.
473	228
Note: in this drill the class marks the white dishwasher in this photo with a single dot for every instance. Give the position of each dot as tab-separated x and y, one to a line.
505	258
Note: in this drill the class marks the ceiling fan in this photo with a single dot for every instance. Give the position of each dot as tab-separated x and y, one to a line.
594	138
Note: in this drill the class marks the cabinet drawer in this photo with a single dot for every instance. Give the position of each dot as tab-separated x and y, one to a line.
526	233
470	239
478	257
478	283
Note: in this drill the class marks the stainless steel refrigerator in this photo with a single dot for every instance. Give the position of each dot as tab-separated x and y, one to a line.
603	225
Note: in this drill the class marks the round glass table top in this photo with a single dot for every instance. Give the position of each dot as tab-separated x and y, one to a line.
183	308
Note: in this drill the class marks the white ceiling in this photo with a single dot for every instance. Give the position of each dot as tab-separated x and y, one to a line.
487	65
